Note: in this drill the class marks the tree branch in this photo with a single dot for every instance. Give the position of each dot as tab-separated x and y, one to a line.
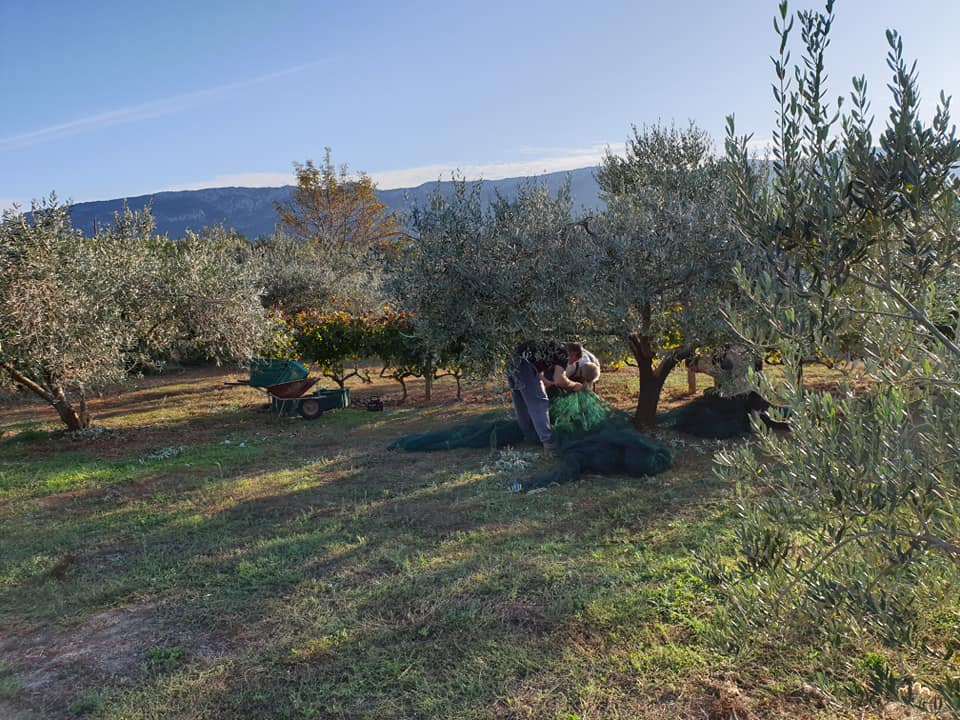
27	383
926	539
884	285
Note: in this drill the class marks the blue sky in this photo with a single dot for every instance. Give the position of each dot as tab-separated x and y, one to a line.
116	98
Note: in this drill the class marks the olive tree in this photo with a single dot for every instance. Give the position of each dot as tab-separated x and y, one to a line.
209	296
857	237
663	252
479	280
297	275
79	311
648	274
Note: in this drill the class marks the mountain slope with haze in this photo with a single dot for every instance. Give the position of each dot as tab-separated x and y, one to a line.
251	211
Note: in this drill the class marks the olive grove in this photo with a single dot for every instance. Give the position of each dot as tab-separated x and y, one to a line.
77	312
646	276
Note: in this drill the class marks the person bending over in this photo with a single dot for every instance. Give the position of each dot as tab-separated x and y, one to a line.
531	366
582	367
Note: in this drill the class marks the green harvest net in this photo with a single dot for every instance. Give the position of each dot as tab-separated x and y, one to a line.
487	431
717	417
591	437
579	412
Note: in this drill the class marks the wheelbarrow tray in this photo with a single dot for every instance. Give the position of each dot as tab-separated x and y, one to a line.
264	373
291	388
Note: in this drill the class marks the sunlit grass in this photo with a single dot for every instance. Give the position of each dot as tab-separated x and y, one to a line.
284	568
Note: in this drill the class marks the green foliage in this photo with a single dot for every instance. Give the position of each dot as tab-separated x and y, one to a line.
9	683
478	281
855	248
843	531
297	275
336	342
340	234
485	279
91	701
210	297
393	340
667	200
79	312
164	658
339	342
663	251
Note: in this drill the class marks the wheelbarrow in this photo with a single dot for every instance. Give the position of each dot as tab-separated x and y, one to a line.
286	382
288	399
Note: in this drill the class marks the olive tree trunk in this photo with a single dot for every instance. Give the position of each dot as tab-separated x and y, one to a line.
54	394
651	377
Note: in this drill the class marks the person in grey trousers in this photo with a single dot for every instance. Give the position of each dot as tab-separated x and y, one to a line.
527	367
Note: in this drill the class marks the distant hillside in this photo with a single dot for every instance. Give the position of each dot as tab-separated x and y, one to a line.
251	212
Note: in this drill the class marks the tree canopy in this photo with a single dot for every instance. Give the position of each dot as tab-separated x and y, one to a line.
485	279
664	249
336	236
857	245
647	275
81	311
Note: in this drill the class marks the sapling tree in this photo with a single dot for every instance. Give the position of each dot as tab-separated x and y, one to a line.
330	207
336	236
857	238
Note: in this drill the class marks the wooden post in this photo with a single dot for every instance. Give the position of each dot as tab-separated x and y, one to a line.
428	382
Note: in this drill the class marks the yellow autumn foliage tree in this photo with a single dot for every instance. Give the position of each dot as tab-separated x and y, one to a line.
336	214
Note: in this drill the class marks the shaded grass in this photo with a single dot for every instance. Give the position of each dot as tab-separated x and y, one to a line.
280	568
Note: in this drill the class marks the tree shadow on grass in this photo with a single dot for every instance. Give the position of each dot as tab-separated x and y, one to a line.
418	619
374	584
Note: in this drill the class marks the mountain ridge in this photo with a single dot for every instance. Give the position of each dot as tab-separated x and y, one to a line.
251	212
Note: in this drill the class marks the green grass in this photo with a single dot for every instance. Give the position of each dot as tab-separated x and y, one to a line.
218	562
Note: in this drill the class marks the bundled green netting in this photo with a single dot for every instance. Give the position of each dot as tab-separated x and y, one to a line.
591	437
578	412
607	450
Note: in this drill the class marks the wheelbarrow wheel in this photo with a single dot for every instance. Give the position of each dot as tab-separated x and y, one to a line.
310	409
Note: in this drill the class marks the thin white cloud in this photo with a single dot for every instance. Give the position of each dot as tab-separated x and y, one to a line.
142	111
589	150
410	177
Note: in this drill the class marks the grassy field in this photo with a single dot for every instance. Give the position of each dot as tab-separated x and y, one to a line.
200	558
